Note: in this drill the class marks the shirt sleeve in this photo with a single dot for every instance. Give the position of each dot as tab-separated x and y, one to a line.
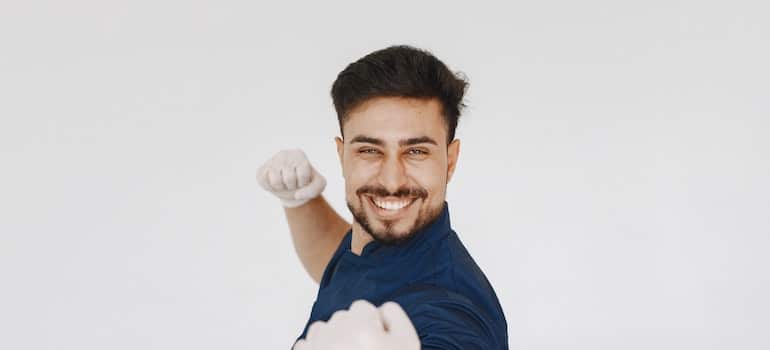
447	321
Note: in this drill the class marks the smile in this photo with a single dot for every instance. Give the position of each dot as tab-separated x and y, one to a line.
390	207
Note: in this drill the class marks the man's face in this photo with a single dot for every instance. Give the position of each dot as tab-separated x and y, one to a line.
396	165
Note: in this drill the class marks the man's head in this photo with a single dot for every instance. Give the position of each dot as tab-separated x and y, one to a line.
398	110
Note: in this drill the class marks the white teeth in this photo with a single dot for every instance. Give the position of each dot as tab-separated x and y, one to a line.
391	205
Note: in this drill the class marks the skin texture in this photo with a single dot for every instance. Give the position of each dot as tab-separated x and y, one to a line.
384	168
316	230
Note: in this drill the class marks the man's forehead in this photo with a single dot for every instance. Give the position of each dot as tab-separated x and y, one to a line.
396	120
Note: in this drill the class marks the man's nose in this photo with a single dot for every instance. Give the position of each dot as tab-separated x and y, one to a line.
392	174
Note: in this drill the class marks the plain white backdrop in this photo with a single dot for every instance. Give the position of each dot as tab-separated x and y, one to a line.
613	180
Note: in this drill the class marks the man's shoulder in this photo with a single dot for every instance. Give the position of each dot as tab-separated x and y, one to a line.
417	296
455	262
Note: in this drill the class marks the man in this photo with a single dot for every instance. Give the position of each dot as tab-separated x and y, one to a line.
397	110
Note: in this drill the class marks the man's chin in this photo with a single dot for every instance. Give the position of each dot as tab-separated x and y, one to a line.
391	239
388	232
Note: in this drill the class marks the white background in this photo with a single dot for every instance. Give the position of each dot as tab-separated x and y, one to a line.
613	179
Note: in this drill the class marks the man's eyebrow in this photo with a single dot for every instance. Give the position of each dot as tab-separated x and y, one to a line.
402	143
367	139
417	140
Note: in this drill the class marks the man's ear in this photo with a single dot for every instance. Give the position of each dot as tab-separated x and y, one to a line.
340	148
453	152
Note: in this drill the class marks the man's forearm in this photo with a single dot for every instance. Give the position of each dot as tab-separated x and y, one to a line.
316	230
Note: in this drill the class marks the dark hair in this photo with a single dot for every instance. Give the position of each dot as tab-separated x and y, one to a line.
400	71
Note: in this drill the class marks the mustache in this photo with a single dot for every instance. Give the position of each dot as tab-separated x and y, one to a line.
403	192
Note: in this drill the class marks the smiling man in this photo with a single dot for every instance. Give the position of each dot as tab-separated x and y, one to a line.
397	110
396	167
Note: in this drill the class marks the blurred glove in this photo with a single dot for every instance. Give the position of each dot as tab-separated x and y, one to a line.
290	177
363	327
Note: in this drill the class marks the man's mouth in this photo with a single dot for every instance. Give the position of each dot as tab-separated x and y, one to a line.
390	206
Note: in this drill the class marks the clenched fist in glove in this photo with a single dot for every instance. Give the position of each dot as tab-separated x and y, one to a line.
363	327
290	177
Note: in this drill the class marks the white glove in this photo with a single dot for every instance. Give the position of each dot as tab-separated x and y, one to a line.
289	176
363	327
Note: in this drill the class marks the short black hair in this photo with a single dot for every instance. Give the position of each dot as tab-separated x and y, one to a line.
400	71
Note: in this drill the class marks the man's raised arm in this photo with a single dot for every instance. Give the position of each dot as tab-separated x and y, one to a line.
316	228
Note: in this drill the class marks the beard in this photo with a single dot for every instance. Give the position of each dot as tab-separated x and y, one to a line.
388	234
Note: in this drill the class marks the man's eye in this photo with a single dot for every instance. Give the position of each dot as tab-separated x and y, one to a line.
418	151
367	151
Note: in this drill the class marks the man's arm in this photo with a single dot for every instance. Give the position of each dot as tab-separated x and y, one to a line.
447	320
316	230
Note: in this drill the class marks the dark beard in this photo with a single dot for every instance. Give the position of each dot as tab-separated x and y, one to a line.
388	237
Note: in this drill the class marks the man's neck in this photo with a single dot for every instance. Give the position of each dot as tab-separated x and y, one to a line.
359	239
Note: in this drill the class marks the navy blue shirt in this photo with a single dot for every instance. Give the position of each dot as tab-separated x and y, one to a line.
449	300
